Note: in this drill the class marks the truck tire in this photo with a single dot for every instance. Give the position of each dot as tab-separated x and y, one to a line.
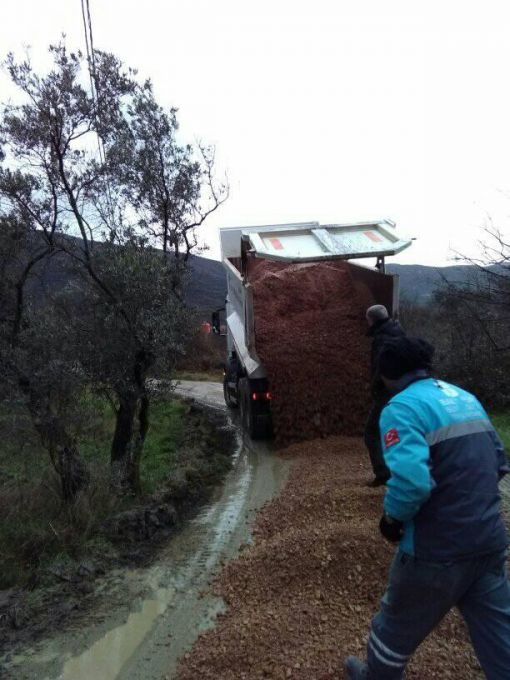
226	395
245	406
249	422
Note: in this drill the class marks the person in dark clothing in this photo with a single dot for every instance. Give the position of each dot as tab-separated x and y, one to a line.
381	329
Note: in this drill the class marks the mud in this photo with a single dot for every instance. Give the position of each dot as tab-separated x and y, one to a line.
62	593
144	619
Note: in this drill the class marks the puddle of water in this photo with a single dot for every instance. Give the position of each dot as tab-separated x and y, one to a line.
161	627
106	657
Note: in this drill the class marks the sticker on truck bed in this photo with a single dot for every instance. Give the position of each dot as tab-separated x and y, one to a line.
373	236
276	243
391	437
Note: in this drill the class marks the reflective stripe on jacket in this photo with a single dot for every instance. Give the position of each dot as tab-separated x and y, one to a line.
446	461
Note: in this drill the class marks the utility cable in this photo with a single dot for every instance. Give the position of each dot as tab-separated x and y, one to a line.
89	44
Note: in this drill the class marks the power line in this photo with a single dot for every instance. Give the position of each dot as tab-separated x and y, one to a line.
87	46
91	60
91	38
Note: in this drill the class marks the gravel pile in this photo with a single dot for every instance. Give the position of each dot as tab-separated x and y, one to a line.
310	334
301	598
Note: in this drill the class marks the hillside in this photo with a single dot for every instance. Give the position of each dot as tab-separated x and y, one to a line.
207	287
206	291
417	282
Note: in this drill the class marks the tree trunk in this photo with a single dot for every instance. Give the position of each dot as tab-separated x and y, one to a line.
143	427
129	437
128	442
72	470
122	443
74	474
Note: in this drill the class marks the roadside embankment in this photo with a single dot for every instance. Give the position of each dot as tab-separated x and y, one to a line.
188	453
301	598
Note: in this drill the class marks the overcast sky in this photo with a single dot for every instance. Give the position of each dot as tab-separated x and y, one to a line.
322	110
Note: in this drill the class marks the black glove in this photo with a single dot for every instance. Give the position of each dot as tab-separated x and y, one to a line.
391	529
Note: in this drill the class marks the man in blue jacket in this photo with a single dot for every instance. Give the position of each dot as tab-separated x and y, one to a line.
442	506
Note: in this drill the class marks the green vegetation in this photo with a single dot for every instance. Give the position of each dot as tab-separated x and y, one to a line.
92	309
94	226
36	529
502	423
163	439
23	460
162	443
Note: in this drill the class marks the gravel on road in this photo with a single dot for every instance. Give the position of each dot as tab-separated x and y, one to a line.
301	598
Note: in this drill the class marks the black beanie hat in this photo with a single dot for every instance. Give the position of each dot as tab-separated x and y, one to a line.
403	355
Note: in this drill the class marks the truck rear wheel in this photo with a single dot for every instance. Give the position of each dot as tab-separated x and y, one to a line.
244	405
227	396
250	422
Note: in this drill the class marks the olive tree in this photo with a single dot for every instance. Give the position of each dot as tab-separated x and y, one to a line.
171	185
119	352
77	167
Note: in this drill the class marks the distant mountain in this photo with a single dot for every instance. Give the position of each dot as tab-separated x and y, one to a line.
206	291
207	288
418	282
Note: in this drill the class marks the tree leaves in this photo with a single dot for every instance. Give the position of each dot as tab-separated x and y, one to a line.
87	151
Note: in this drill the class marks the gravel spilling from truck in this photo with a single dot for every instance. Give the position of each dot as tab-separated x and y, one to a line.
302	597
310	334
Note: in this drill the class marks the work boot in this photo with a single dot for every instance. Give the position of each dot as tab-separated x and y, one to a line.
378	481
355	669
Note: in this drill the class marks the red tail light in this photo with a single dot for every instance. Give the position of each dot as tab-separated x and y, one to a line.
261	396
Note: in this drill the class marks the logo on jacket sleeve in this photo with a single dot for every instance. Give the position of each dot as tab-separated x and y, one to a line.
391	437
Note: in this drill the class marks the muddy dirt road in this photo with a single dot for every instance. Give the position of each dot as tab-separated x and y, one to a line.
207	393
152	616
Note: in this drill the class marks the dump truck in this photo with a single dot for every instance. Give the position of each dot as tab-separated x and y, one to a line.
247	386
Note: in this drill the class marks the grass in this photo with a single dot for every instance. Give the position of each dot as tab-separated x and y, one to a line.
22	459
162	444
502	424
21	456
35	529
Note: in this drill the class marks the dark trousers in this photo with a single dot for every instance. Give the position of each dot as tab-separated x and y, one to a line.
373	436
421	593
